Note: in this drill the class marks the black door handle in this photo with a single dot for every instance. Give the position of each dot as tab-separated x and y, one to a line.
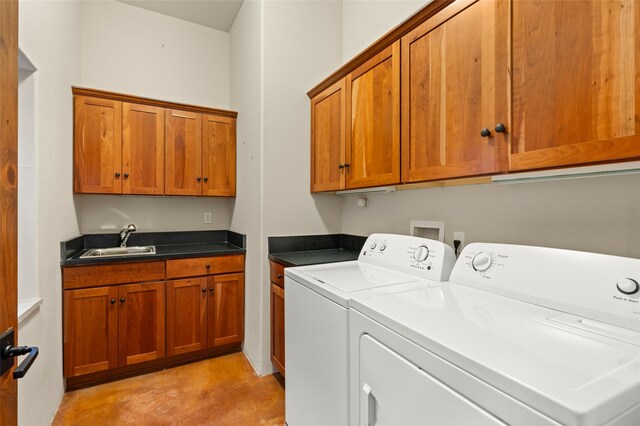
8	354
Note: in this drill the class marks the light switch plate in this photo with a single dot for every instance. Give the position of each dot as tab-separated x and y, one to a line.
207	217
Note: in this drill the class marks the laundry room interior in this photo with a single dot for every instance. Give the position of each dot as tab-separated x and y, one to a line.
270	183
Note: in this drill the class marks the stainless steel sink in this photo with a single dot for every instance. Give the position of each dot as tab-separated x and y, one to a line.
119	251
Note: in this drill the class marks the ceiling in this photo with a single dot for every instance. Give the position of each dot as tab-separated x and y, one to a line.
217	14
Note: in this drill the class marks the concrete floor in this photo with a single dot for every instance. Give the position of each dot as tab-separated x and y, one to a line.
217	391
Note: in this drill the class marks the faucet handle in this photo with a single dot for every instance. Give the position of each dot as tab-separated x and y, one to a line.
131	227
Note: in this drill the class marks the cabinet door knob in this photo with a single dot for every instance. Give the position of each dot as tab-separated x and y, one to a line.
207	266
122	300
500	128
206	179
280	276
346	165
126	175
112	301
204	289
211	289
341	166
485	133
117	174
198	178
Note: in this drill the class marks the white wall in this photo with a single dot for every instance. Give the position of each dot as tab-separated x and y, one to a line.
49	35
132	50
365	21
246	97
597	214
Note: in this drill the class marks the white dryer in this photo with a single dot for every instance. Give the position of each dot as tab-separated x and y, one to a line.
520	335
317	318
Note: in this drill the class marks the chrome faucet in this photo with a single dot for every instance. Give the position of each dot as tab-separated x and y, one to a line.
125	233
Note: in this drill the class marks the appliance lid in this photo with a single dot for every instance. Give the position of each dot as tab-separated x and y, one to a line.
357	276
573	374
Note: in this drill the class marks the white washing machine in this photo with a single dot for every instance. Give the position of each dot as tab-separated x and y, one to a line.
317	318
520	335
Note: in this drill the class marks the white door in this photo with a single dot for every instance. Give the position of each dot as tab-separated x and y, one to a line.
393	391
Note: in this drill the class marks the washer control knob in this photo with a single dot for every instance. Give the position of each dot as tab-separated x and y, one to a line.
373	245
421	253
383	245
628	286
481	261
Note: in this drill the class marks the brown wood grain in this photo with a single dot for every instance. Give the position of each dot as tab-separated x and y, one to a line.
277	327
183	153
218	156
276	271
192	267
382	43
373	124
123	97
90	330
97	147
8	196
186	315
225	309
450	92
141	322
328	123
110	274
142	149
576	82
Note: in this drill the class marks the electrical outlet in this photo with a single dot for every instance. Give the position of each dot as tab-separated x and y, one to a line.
207	217
460	237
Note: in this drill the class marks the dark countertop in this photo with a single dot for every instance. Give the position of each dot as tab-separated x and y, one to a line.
314	249
313	257
169	245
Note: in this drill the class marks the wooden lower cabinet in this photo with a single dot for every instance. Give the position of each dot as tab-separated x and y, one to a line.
109	327
112	323
204	312
277	316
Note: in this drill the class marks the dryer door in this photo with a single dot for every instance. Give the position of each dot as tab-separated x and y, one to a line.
394	391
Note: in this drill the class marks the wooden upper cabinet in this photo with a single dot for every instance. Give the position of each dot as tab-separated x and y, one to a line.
141	321
372	156
454	84
97	147
218	156
142	149
576	82
183	151
328	131
90	330
186	315
226	309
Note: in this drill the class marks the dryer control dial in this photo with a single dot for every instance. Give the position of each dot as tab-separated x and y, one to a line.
628	286
421	253
482	261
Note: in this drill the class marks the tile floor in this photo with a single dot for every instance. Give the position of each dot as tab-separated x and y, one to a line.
217	391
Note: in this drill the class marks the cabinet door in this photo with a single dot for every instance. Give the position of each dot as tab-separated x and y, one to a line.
141	322
142	149
218	156
454	84
183	153
186	315
277	327
373	129
97	146
225	309
328	139
576	82
90	330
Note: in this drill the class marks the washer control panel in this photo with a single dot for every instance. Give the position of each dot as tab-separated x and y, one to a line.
423	257
601	287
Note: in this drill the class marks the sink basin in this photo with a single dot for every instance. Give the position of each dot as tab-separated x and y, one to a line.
119	251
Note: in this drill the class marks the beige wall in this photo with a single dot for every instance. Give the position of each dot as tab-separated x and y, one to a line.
49	36
598	214
132	50
246	96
